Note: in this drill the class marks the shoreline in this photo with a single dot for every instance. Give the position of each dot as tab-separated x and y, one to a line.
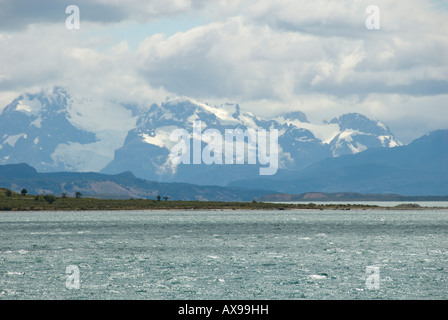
17	204
12	201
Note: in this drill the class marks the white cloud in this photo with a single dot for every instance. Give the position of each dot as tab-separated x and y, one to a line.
269	56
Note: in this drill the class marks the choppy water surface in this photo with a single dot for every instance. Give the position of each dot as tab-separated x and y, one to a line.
300	254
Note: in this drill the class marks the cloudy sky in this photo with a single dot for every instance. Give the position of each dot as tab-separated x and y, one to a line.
268	56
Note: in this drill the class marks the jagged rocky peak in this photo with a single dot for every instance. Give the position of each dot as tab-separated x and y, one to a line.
186	104
359	133
54	130
183	111
31	110
295	115
49	100
34	125
357	121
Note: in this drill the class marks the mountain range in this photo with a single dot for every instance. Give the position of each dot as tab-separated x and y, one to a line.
419	168
55	131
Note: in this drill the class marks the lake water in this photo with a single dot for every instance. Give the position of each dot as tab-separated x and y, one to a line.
298	254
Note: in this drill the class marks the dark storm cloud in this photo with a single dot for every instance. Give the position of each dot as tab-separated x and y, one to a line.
363	87
18	14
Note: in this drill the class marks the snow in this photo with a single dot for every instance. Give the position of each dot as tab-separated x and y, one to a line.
191	119
21	107
359	147
11	140
29	106
37	122
381	125
161	137
223	113
389	141
168	116
323	132
303	139
394	143
346	135
99	115
87	157
248	120
109	121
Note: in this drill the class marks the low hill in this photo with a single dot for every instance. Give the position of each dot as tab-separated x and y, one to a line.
120	186
346	196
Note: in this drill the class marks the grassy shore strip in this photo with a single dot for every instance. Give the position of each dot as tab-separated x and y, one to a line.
18	202
72	204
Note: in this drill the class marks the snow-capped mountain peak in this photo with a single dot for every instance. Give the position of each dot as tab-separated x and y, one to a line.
358	133
56	131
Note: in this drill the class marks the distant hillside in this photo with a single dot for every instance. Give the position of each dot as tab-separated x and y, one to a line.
347	196
124	185
417	169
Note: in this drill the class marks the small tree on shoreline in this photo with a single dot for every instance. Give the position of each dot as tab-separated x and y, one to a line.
50	198
24	192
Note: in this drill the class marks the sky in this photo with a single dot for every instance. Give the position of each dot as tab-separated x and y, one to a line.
268	56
